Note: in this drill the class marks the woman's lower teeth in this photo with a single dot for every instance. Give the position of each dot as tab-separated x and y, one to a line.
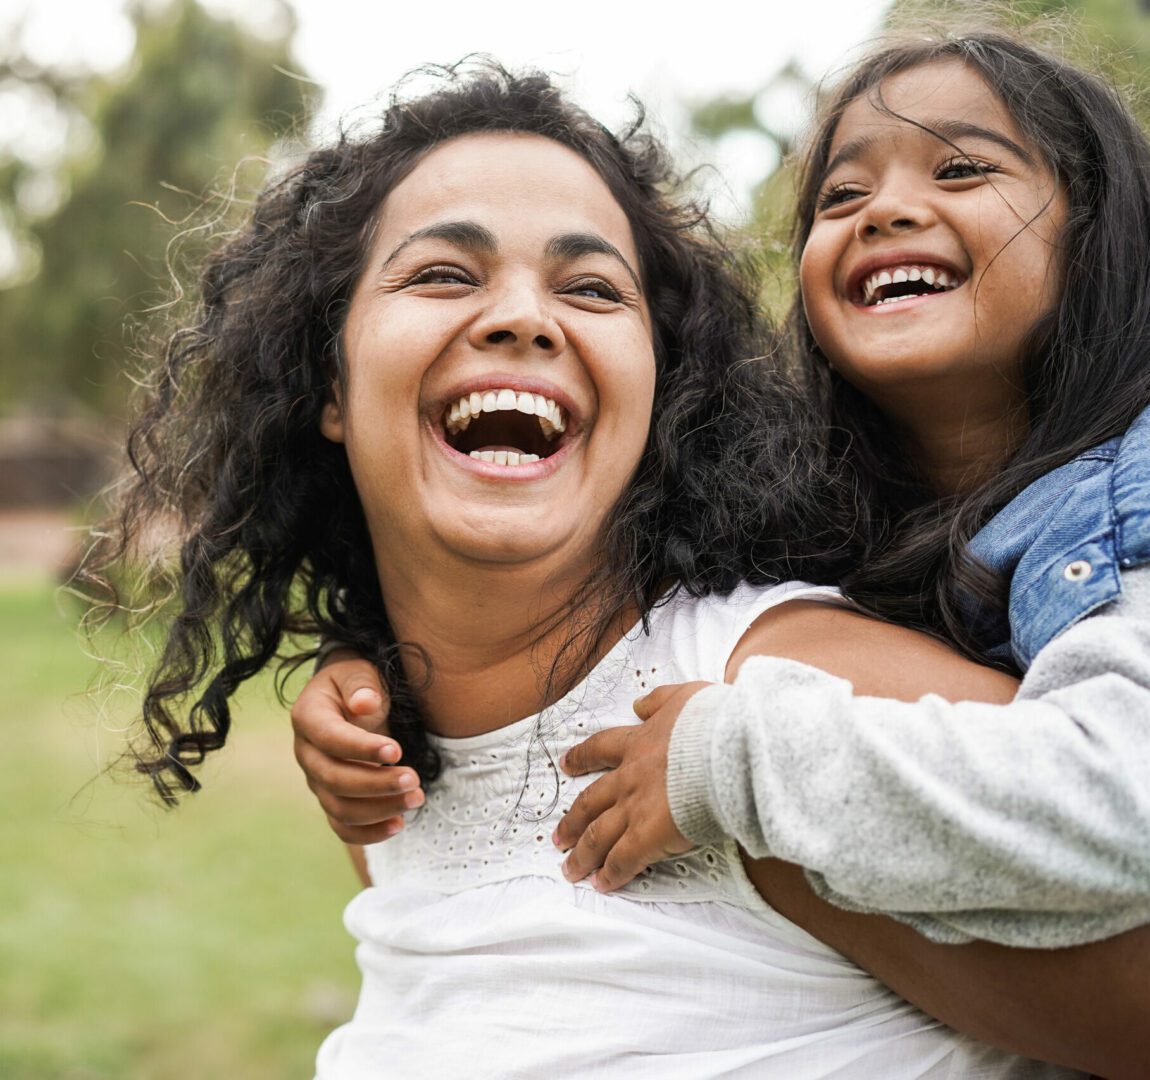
503	457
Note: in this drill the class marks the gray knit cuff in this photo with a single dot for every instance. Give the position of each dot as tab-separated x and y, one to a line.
688	788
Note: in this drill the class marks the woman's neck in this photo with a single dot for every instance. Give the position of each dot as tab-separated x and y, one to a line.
491	637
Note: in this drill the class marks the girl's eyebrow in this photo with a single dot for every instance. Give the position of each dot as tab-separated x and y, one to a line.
946	130
574	245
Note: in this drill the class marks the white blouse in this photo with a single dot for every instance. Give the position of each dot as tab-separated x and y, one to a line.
480	960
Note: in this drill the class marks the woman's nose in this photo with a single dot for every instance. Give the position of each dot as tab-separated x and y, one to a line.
518	318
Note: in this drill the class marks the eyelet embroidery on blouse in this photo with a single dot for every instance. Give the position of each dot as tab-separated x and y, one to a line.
491	814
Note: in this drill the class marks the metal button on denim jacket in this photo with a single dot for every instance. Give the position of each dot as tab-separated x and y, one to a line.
1064	540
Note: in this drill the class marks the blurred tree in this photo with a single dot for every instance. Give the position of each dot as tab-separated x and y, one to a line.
148	148
774	113
1108	36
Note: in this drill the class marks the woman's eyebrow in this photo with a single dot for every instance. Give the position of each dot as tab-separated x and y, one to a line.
468	235
573	245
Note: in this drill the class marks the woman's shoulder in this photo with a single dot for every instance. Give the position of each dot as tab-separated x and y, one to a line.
696	635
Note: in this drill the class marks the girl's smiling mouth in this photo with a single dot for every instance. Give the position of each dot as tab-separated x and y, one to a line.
505	426
906	282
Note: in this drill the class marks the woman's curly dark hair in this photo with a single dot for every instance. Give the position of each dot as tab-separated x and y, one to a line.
732	484
1086	366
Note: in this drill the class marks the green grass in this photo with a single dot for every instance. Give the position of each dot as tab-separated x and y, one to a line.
142	943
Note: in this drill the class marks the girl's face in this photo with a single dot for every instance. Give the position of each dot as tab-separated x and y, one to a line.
499	361
933	249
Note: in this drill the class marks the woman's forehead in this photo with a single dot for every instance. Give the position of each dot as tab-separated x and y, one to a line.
506	181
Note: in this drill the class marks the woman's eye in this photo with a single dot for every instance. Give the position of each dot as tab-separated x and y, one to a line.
593	289
837	195
964	169
441	275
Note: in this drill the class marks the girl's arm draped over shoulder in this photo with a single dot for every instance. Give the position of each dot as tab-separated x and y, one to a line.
1025	823
1085	1007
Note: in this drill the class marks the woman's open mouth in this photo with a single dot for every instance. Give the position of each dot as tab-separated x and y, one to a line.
502	426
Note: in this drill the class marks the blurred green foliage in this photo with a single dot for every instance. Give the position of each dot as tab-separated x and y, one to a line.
139	944
150	147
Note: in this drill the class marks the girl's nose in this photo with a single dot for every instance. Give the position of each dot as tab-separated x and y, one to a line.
891	212
518	318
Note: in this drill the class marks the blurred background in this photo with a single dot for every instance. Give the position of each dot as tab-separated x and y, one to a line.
206	942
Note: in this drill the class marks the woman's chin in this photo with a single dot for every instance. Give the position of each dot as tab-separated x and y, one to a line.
507	539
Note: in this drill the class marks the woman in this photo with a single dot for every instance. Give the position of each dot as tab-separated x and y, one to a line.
460	396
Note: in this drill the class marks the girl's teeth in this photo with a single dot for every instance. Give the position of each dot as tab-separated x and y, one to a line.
476	400
506	401
939	280
489	401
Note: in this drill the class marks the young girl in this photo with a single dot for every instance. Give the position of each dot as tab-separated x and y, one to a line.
452	397
974	228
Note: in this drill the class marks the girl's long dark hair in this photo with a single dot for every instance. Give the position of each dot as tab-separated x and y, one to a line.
733	483
1086	367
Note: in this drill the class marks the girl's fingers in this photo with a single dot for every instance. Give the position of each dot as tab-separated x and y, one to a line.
600	836
588	805
628	858
358	684
603	750
580	832
351	779
646	706
366	834
318	719
366	813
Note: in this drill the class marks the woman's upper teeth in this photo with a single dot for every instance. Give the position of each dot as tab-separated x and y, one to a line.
552	417
936	277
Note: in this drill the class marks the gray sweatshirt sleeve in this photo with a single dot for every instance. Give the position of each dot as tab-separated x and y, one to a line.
1026	824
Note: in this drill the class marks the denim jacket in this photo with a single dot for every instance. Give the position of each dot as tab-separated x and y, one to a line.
1064	540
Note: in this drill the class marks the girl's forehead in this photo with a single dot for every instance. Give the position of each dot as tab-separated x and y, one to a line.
940	98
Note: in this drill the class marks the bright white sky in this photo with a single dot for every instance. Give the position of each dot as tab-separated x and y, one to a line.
668	53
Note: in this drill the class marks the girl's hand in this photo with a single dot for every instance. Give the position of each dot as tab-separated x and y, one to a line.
622	822
339	721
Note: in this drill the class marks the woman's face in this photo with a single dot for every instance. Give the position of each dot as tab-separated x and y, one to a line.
933	251
499	368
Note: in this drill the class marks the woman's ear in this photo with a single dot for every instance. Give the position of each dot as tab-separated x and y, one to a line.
331	418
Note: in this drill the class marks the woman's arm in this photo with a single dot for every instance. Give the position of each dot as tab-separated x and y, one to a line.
1085	1007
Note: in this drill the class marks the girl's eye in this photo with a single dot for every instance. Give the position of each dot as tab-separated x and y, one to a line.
441	275
593	289
964	169
838	194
